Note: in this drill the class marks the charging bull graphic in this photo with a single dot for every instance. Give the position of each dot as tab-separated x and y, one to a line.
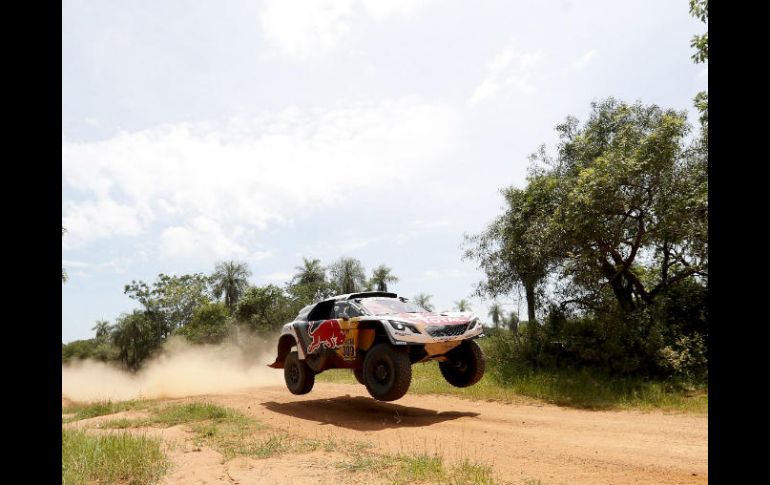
327	332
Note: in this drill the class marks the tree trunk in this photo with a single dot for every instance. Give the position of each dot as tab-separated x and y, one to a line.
530	291
623	294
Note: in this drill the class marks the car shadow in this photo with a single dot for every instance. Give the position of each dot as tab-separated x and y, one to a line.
362	413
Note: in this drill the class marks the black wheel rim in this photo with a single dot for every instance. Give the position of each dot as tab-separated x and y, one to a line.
460	366
381	372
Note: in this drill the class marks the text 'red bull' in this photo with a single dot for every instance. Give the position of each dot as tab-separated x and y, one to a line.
327	333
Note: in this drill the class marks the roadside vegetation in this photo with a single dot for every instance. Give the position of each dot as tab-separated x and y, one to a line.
577	388
110	458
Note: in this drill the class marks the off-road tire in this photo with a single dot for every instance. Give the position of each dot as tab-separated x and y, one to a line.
465	366
359	375
387	372
298	376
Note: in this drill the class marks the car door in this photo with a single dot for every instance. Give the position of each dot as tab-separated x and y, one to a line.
323	331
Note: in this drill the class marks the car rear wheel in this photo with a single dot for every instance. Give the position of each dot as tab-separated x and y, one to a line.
387	372
465	366
299	377
359	374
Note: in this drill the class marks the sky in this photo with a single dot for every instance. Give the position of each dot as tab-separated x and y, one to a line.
263	132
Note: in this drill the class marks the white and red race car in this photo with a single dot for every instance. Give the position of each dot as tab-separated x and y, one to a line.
379	336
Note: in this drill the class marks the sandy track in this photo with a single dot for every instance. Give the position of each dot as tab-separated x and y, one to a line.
521	442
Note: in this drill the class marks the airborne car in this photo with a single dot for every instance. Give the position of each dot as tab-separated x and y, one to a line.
378	335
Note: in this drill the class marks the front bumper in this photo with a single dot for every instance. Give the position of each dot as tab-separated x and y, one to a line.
428	334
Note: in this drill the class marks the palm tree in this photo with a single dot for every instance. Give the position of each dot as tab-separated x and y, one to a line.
462	305
423	300
63	273
348	275
496	312
381	276
102	329
230	279
310	272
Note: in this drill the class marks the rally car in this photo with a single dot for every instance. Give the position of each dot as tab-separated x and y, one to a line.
378	335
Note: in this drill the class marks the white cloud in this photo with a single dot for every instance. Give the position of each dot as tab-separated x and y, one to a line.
510	70
101	218
213	188
300	28
117	265
308	29
429	224
204	239
584	59
386	8
75	264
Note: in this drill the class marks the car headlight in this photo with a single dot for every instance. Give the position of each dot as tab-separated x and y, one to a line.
473	323
403	326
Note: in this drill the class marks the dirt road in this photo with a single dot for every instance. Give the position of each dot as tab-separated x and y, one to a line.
524	443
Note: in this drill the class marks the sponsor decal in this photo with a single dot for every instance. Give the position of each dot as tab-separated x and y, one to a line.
348	350
327	333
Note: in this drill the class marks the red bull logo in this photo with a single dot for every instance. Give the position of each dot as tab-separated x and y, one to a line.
327	332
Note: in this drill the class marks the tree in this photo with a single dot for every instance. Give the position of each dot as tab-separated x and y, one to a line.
462	305
264	309
630	195
102	329
309	284
63	272
96	349
700	10
230	279
311	272
209	324
516	250
348	275
381	276
135	336
496	313
171	301
423	300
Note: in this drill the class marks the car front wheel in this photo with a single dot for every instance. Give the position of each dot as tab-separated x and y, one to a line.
299	377
387	372
465	366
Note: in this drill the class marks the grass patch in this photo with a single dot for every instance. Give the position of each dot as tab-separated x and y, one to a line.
590	390
192	412
469	473
181	414
113	458
420	468
360	463
579	389
101	408
423	468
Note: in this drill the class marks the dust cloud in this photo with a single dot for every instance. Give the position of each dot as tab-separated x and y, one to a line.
180	369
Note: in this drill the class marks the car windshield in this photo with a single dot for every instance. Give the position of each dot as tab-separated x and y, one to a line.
384	306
